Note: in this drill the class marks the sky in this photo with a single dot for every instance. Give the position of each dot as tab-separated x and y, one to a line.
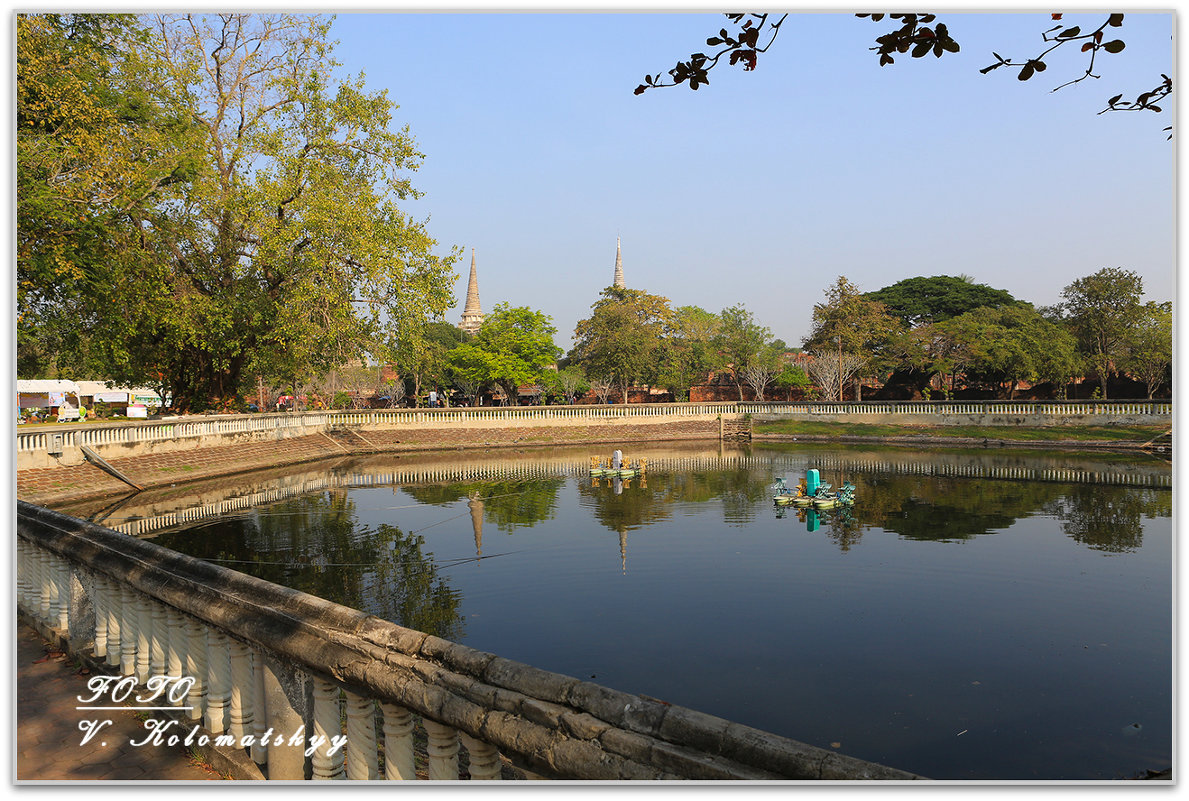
763	188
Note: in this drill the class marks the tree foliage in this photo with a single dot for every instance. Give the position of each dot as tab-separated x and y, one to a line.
689	354
913	34
511	349
934	299
1101	310
1011	344
284	252
853	324
621	341
1148	345
741	341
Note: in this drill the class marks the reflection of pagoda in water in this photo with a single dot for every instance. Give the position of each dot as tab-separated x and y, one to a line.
475	504
623	549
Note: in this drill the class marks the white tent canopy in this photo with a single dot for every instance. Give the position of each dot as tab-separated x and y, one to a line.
41	386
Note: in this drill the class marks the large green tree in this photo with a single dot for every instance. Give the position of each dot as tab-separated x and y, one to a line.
1149	346
1012	344
1102	310
100	142
850	324
933	299
741	341
689	353
621	341
511	349
285	252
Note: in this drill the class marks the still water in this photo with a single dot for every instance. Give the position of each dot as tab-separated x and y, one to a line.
973	616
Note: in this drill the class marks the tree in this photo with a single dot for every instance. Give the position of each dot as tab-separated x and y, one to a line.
1011	344
918	34
1102	310
621	340
286	254
1149	346
850	324
762	368
921	300
832	370
791	377
96	150
566	382
511	349
741	342
688	352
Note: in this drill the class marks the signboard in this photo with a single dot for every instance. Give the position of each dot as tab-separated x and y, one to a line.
138	411
149	398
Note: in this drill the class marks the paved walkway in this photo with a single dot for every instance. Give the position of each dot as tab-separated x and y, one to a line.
49	740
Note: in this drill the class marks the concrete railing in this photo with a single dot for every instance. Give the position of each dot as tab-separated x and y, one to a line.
62	445
303	685
189	428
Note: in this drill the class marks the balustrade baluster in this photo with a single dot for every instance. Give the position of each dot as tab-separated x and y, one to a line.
361	738
196	666
99	602
260	712
63	576
159	640
242	686
326	725
144	636
218	671
129	617
22	575
398	743
176	646
443	751
484	758
47	588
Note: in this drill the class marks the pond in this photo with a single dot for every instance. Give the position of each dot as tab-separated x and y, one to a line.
974	616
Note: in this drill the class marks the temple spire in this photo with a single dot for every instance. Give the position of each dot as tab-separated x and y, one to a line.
618	266
472	315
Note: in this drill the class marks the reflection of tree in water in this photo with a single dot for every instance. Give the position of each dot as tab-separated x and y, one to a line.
947	509
313	544
508	505
741	491
1108	518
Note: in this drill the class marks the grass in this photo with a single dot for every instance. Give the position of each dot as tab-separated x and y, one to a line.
1018	433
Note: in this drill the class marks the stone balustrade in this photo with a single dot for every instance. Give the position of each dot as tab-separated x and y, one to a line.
311	689
51	446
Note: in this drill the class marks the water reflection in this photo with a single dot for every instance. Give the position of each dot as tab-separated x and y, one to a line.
316	544
836	610
1108	521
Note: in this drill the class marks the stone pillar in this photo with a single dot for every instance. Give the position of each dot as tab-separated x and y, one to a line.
285	707
196	666
129	617
113	601
259	718
175	652
398	742
443	751
242	686
485	758
218	687
326	726
362	763
144	632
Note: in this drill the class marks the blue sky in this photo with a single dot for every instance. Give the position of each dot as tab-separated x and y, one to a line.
762	188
